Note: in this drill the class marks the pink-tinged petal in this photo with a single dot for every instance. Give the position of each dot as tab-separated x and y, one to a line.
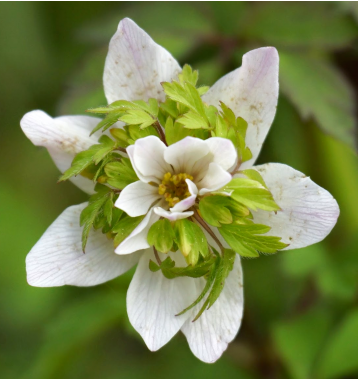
309	212
63	137
148	159
187	202
185	153
153	301
209	336
137	240
251	91
223	151
136	65
136	198
172	216
57	258
215	179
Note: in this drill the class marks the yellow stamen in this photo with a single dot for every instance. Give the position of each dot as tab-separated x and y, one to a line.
174	188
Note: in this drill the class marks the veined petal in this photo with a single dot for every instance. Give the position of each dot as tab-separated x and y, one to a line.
148	158
185	153
251	91
137	240
209	336
57	258
153	301
136	198
136	65
309	212
172	216
223	151
187	202
63	137
215	178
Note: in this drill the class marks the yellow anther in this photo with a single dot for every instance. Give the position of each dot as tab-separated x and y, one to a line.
174	188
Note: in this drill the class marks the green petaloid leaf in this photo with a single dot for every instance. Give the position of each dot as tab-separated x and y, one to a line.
214	210
191	240
161	235
121	137
248	239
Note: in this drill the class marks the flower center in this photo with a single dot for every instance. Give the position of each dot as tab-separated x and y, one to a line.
174	188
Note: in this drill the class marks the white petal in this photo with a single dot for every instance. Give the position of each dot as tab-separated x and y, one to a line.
148	159
187	202
57	258
136	198
153	301
64	137
138	238
136	65
172	216
215	178
309	212
251	92
224	152
185	153
209	336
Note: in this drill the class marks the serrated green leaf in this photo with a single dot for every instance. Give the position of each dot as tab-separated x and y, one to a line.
191	240
193	120
188	75
121	137
124	227
175	132
137	117
255	176
248	239
107	122
214	210
255	198
120	173
136	133
161	235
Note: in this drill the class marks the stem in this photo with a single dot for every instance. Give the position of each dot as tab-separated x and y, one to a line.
159	128
121	149
208	230
157	256
237	167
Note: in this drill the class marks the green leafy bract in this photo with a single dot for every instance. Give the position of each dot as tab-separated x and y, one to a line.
161	235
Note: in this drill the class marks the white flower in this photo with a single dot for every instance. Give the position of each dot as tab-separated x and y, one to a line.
135	67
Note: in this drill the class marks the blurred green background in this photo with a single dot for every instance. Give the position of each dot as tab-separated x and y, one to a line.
301	309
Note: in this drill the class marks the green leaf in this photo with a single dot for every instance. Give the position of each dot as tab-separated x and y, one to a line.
247	240
339	357
255	176
320	25
135	132
120	173
121	137
106	146
191	240
193	120
107	122
221	271
124	227
255	198
90	212
188	75
138	117
161	235
175	132
319	91
214	210
170	271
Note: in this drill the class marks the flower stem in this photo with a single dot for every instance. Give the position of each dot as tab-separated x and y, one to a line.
237	166
159	128
157	256
208	229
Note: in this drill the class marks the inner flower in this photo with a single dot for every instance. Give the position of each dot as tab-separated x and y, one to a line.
174	188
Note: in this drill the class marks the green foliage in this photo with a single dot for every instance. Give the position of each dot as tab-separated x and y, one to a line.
161	235
191	240
99	207
170	271
214	210
124	227
120	173
248	240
